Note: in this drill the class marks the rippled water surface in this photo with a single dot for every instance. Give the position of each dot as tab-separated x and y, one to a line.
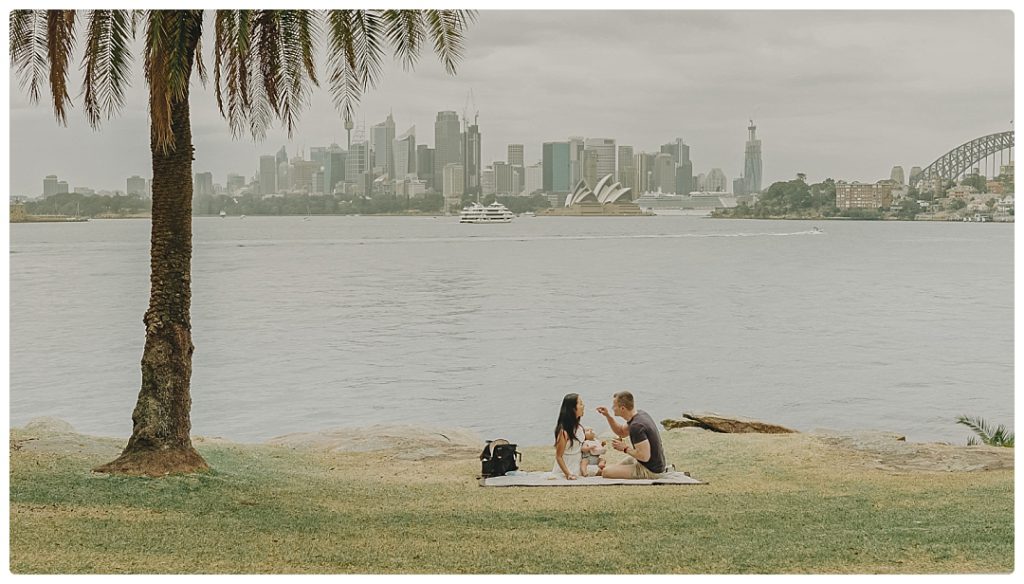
348	321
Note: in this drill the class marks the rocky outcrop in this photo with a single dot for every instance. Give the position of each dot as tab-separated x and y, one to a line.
725	424
670	424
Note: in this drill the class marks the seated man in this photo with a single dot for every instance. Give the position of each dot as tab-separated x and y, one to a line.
646	458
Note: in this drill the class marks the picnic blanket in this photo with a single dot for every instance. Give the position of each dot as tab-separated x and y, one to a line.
549	479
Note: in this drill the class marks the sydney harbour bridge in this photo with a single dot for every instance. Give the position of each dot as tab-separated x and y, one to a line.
986	155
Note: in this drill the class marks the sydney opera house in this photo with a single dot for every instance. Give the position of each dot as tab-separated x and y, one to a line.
606	198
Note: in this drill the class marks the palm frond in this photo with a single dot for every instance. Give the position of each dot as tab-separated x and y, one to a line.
107	62
29	49
405	30
999	436
60	36
342	61
446	27
297	32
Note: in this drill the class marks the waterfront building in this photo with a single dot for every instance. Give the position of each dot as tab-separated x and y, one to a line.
268	174
897	175
334	167
664	173
627	169
557	167
284	174
62	187
576	146
203	184
301	173
855	195
471	158
453	187
356	163
318	154
515	154
752	161
605	149
716	181
641	172
502	178
447	145
590	159
50	185
487	182
915	172
404	153
281	156
534	179
425	166
135	186
235	183
382	137
699	183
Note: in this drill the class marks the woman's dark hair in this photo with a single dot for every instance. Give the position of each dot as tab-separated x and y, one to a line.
567	419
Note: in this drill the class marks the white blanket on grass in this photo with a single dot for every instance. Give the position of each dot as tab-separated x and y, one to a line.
548	479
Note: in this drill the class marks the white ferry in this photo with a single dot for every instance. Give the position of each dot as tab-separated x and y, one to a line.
493	213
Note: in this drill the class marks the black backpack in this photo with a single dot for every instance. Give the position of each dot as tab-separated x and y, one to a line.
498	458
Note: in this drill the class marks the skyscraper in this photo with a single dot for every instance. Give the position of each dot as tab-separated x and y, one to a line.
268	174
381	137
641	169
136	186
534	179
605	149
664	173
515	154
502	178
282	156
447	145
897	175
752	161
452	186
915	171
627	171
203	184
425	166
334	167
471	159
716	181
556	164
50	185
590	167
575	159
405	154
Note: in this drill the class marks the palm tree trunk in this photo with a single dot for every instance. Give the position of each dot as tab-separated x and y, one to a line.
160	442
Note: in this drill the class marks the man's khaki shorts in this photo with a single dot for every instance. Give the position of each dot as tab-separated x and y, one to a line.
642	472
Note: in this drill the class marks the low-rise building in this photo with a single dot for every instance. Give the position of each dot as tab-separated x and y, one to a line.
856	195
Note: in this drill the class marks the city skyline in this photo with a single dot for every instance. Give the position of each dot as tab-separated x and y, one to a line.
863	101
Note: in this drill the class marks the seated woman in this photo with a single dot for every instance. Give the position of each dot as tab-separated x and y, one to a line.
568	437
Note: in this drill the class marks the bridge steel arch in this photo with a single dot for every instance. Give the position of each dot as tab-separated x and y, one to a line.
959	160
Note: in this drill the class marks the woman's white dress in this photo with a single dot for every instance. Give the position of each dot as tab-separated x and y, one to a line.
571	456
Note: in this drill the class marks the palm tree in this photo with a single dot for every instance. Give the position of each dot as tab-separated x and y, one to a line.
999	436
263	71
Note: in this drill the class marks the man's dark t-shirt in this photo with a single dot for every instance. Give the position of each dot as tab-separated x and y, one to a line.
641	428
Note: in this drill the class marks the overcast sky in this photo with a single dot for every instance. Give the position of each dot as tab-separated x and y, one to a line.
841	94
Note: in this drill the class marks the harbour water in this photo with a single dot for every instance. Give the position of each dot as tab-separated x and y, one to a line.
353	321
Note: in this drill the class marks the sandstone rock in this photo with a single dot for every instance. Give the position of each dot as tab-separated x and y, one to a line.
670	424
735	424
49	425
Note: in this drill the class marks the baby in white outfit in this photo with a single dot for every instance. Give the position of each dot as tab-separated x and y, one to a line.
592	453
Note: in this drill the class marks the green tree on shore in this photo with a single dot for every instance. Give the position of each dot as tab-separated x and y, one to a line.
263	72
998	436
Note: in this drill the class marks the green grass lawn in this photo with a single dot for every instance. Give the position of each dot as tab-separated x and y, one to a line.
773	505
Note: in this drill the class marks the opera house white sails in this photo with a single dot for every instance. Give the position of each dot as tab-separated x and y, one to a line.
604	192
606	198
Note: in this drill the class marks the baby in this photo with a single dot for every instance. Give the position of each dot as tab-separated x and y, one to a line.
592	454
